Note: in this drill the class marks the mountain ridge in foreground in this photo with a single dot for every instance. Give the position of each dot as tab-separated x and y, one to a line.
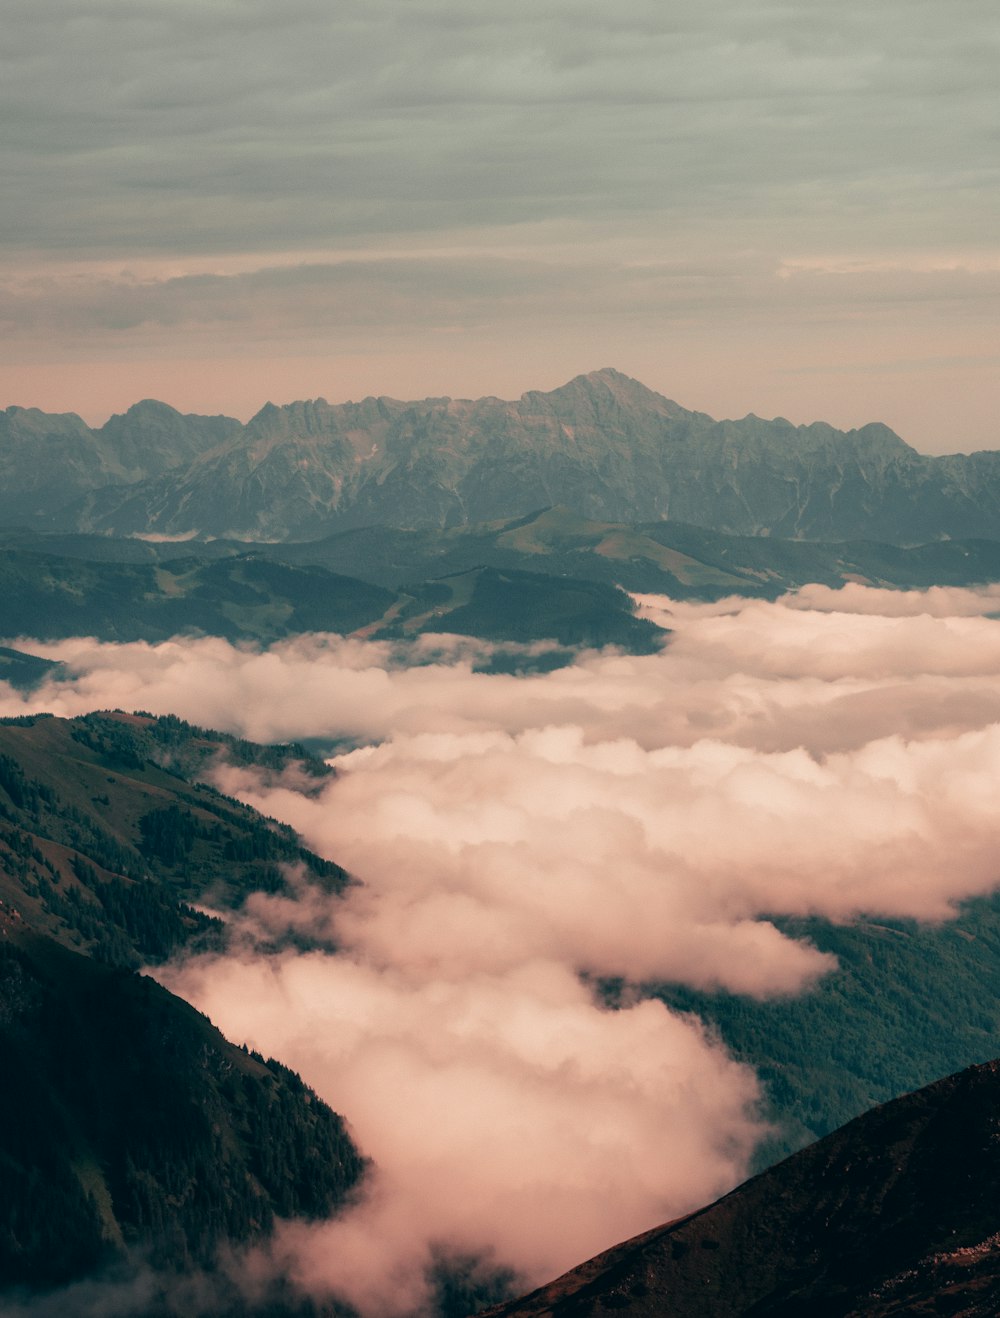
603	445
131	1132
895	1213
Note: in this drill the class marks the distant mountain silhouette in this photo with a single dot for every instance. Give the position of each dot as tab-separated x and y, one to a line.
604	446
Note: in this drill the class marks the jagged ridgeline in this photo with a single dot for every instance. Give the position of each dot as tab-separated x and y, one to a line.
603	445
128	1124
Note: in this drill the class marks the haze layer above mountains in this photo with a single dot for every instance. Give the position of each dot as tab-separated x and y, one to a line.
603	445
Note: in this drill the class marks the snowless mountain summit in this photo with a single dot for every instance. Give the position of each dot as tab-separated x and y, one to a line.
603	445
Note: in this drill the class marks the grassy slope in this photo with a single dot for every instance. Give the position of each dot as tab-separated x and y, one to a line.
669	557
239	598
255	598
126	1120
101	836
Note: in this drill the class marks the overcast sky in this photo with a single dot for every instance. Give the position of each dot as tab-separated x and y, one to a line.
784	208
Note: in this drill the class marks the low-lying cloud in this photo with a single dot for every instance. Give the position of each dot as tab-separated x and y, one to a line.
507	1114
833	753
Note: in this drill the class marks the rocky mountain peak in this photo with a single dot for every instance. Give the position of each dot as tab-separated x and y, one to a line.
603	444
597	391
149	407
29	421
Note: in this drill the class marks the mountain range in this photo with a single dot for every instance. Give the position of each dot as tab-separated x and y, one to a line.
603	445
515	522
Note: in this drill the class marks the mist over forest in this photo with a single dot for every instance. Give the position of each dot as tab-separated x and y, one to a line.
562	878
499	659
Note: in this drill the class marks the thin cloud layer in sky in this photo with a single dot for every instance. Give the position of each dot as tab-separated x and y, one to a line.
831	753
780	209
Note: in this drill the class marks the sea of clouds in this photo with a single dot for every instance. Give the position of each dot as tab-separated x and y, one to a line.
830	753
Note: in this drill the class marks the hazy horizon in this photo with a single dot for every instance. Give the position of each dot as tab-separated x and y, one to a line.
787	212
98	419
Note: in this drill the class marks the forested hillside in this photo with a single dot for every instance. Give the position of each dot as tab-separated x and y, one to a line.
129	1127
907	1004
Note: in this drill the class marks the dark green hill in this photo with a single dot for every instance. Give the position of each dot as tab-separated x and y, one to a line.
551	575
128	1126
244	598
127	1122
907	1003
512	605
103	841
671	557
674	558
258	597
25	671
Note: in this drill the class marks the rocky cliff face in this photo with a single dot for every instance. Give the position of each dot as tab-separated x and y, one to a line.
47	460
603	445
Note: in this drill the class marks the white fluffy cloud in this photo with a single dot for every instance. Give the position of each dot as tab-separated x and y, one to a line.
832	753
508	1116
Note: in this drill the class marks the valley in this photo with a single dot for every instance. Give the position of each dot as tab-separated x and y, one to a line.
477	792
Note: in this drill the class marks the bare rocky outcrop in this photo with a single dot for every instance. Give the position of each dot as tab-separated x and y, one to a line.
603	445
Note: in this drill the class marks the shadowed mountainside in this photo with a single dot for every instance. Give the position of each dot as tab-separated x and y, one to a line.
895	1213
129	1127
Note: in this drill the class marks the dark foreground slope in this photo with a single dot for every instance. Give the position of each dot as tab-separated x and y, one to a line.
130	1129
896	1213
127	1122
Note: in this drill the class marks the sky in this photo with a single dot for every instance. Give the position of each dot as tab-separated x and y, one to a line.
831	753
783	208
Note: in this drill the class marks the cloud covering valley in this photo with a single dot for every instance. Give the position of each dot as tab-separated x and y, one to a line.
831	753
